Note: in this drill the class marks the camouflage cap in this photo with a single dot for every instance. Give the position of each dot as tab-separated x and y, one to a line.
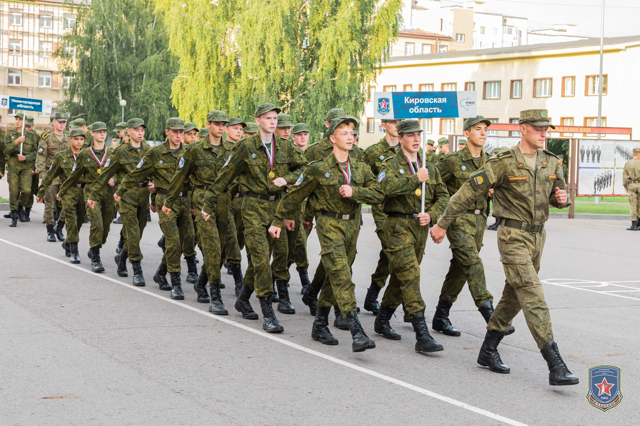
536	117
58	116
76	132
203	132
80	122
217	116
431	142
497	149
174	123
135	122
409	126
335	113
338	121
299	128
443	141
386	120
265	108
636	150
98	125
356	131
284	120
560	157
462	141
189	127
29	120
251	128
235	120
475	120
20	115
120	126
90	127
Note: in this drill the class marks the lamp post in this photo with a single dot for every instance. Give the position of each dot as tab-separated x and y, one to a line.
123	104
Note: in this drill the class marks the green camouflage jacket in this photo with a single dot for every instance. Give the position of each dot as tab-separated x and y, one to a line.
122	161
29	147
47	149
87	166
324	148
455	170
61	167
374	156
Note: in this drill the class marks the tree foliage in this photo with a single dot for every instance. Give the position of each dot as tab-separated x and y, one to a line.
121	52
307	56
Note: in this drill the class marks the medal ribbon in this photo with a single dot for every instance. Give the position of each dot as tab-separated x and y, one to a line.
100	163
347	173
270	154
413	171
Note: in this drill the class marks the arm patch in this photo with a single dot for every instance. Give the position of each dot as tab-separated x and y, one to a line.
505	154
479	180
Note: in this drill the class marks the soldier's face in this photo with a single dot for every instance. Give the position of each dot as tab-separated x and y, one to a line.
343	137
268	121
175	136
190	136
410	142
534	136
391	128
100	135
301	139
477	135
136	133
283	132
560	160
58	126
234	133
18	122
76	142
216	128
444	149
29	127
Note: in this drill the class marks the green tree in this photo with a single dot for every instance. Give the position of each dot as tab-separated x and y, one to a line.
119	50
307	56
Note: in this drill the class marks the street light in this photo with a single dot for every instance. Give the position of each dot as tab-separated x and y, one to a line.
123	104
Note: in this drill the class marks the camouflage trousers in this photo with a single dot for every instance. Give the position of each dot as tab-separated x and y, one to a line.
280	266
520	254
177	228
235	233
406	241
73	206
380	275
51	204
338	240
298	246
465	237
133	208
100	216
210	232
35	180
634	200
20	180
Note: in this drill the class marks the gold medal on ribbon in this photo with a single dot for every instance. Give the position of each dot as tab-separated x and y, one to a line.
99	171
272	175
418	192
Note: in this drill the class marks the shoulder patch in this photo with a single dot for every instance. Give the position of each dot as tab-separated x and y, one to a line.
381	176
298	182
505	154
108	162
479	180
140	164
45	135
227	162
41	150
74	167
550	153
180	163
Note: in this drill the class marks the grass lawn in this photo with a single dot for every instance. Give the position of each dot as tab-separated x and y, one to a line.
595	209
2	200
605	199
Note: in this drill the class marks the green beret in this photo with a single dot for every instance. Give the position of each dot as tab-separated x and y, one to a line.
443	141
338	121
135	122
284	120
409	126
475	120
218	116
335	113
299	128
203	132
251	128
189	127
235	120
174	123
536	117
265	108
431	142
98	125
76	132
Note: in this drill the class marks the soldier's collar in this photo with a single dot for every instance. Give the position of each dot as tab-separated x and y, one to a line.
466	154
228	145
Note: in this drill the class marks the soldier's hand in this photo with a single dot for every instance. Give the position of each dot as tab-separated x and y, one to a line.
166	210
192	212
490	192
274	231
152	188
424	219
153	209
437	234
1	175
112	182
58	197
205	216
117	198
423	174
290	224
346	191
280	182
19	140
21	157
38	200
561	196
33	172
91	204
307	225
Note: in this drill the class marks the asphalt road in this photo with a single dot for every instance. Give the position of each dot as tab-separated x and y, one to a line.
78	348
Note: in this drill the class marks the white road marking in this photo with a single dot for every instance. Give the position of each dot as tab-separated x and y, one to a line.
338	361
589	285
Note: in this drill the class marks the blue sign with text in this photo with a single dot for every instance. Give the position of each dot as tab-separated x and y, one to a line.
25	104
403	105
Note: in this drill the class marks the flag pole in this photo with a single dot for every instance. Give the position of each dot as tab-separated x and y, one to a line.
424	155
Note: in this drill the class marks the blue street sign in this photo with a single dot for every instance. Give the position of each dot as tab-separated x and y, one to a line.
28	104
402	105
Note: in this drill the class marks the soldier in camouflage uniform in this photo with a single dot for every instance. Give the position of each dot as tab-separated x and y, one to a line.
3	163
431	152
62	166
462	144
406	231
80	123
335	187
250	130
264	165
133	204
443	146
526	180
50	144
631	183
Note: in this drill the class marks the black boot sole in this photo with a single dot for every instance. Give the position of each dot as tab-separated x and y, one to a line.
285	310
390	336
157	280
51	239
324	341
177	297
495	370
246	315
142	284
362	348
428	350
98	269
203	300
568	383
511	331
445	332
214	312
191	279
273	330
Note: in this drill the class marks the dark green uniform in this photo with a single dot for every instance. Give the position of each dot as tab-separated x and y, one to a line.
20	176
50	145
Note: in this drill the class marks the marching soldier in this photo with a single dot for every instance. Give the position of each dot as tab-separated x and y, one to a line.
3	163
631	183
462	144
526	179
202	133
431	152
443	146
250	130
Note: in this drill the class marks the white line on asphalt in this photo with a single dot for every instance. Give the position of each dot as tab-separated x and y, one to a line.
587	289
367	371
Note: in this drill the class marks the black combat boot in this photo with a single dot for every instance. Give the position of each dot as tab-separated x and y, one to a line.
634	226
90	254
192	270
160	277
51	234
14	219
270	324
7	216
118	220
361	341
486	310
56	214
371	299
67	249
310	296
73	253
176	286
138	278
121	262
274	296
237	277
381	324
217	307
86	219
284	305
58	230
161	243
425	343
96	263
494	226
340	322
226	266
320	332
200	287
27	214
489	356
244	306
21	215
405	316
441	319
148	215
304	279
120	245
559	374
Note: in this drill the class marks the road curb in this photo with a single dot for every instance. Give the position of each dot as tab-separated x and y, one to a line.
4	207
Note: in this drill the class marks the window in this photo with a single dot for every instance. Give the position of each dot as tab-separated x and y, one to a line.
426	87
514	133
481	30
15	47
516	89
408	49
470	86
66	82
45	49
371	125
15	78
491	90
12	112
69	21
449	87
447	126
508	30
426	48
46	21
428	125
44	79
407	88
593	85
389	88
542	88
492	132
593	122
566	121
44	114
460	38
15	17
442	48
568	87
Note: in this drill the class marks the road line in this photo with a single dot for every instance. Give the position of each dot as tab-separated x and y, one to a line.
589	290
338	361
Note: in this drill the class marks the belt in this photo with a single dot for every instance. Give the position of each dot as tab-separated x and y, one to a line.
263	197
142	185
239	195
165	192
403	215
338	215
80	185
203	187
476	211
536	228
